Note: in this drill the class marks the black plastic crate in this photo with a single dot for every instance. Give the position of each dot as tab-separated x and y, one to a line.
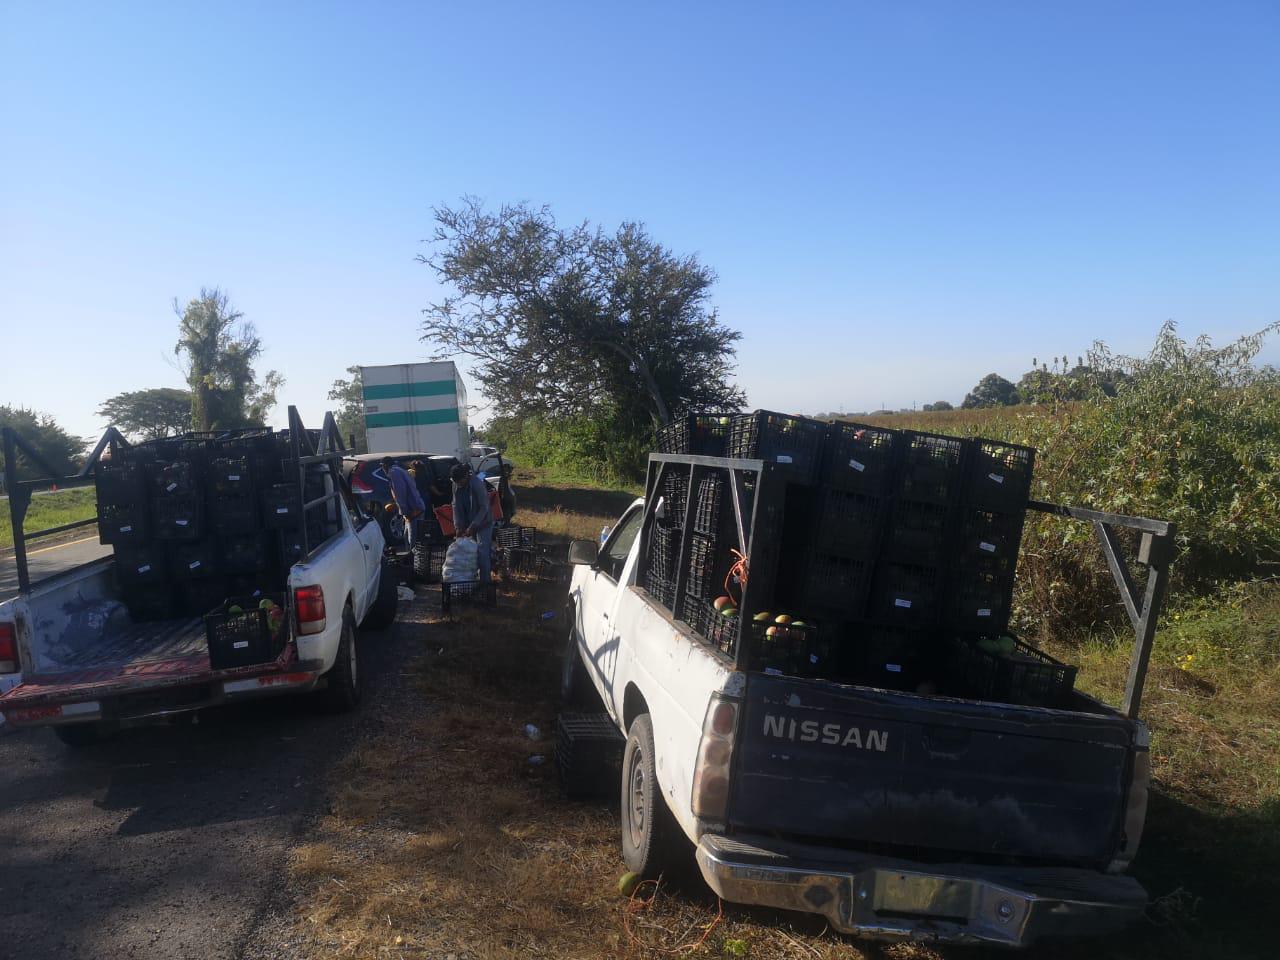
428	561
195	598
175	478
178	517
194	560
795	443
894	658
120	482
859	457
675	493
588	754
799	648
918	532
931	467
232	516
850	522
660	588
981	600
988	540
723	632
504	538
999	475
232	477
146	605
241	634
696	613
1015	673
120	523
290	548
141	566
466	592
281	506
244	553
700	434
704	559
664	547
836	583
906	594
706	511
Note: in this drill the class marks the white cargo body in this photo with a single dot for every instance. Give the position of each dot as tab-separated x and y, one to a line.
416	408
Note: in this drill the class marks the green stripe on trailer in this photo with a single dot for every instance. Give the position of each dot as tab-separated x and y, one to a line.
411	418
427	388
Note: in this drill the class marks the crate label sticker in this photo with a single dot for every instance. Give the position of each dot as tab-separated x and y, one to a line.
989	547
182	523
145	568
171	487
193	565
127	528
239	644
233	476
899	602
282	509
984	612
857	465
998	478
784	458
893	667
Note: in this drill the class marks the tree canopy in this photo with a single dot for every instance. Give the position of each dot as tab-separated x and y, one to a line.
565	321
219	349
349	412
992	390
147	414
43	433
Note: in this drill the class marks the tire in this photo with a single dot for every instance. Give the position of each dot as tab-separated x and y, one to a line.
344	677
577	692
383	612
77	736
650	835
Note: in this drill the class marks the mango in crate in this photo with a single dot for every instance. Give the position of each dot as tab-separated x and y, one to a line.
721	602
764	616
782	619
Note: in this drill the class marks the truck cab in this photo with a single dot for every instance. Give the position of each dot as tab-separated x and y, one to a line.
893	814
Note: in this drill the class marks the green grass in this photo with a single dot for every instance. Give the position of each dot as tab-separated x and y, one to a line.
50	510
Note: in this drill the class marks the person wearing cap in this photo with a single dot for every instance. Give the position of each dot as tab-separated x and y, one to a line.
406	496
471	514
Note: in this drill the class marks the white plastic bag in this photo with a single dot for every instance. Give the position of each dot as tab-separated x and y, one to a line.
461	561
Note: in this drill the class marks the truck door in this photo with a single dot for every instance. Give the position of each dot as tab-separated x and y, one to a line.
599	600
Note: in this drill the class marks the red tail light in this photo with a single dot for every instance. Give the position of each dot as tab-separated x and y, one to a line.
8	648
715	753
357	482
309	603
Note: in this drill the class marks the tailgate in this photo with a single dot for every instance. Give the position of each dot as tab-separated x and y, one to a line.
841	763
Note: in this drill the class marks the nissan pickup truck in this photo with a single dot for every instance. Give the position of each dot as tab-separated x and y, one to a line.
894	815
87	669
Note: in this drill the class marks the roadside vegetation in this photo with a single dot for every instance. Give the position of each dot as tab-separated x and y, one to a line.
52	510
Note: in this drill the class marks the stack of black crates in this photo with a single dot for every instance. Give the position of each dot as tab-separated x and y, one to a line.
197	518
897	548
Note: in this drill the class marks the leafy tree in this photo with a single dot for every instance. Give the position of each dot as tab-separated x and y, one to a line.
937	406
349	412
219	351
59	448
992	390
572	321
146	414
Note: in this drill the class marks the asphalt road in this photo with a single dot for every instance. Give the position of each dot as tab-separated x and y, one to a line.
46	561
171	842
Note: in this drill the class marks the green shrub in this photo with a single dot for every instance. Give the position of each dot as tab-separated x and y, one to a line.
608	449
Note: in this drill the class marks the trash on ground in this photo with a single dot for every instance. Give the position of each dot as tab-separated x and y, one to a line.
532	732
404	593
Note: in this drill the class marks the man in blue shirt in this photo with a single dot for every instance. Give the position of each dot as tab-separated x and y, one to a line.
406	496
471	514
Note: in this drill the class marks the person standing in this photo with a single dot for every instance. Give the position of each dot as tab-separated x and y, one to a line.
406	496
471	514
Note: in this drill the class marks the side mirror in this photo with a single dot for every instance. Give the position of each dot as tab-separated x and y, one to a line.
583	552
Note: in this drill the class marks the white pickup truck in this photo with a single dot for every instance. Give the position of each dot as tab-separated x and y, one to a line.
87	668
892	814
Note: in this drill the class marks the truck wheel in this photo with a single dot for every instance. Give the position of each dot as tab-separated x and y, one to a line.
77	736
343	692
577	692
383	612
650	835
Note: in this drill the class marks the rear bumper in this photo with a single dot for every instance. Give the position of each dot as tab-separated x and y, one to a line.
892	899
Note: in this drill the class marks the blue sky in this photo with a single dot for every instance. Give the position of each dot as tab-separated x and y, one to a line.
898	197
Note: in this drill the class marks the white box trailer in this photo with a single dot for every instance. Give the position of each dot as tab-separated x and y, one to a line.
416	408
